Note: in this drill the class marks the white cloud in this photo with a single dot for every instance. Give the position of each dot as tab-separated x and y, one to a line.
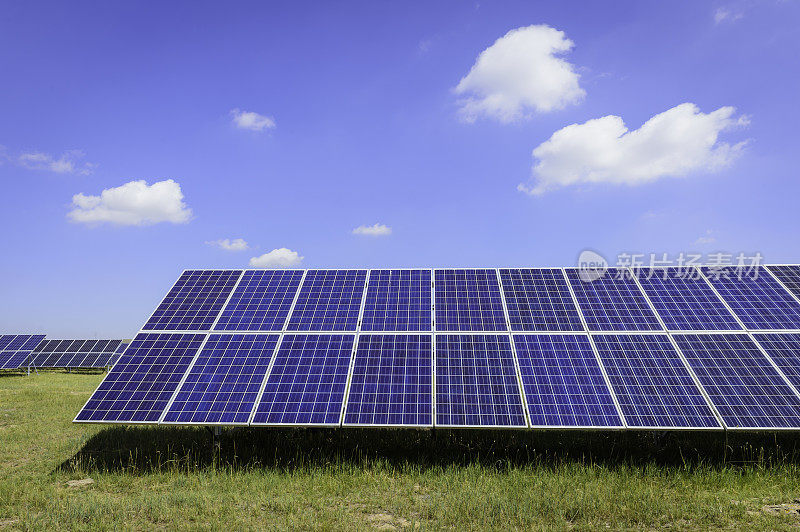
277	258
68	163
674	143
252	121
520	73
707	238
373	230
723	14
134	203
237	244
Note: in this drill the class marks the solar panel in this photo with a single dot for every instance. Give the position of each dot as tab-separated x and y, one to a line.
86	354
261	301
476	382
468	300
391	384
17	349
398	300
329	300
307	381
784	350
756	297
141	383
744	386
194	302
789	275
613	302
539	300
651	382
223	384
685	301
563	382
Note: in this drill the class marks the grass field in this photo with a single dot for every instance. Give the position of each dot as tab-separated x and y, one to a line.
167	478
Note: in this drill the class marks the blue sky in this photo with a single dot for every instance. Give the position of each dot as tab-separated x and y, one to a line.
372	113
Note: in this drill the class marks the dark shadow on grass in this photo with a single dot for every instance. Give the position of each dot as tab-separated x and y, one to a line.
150	449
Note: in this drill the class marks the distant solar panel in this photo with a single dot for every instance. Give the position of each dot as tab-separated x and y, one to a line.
563	382
651	382
261	301
194	302
746	389
613	302
307	381
329	300
223	384
17	349
784	350
476	382
468	300
789	275
685	301
87	354
392	381
142	382
539	300
756	298
398	300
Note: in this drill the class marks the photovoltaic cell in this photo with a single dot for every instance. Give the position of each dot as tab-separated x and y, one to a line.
398	300
468	300
756	297
685	301
261	301
563	382
392	381
194	302
307	382
141	383
746	389
789	276
329	300
653	387
476	382
222	386
613	302
539	300
784	350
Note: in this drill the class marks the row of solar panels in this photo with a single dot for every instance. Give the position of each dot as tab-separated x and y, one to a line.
572	380
33	351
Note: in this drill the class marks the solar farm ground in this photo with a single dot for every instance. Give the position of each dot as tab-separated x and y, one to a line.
361	479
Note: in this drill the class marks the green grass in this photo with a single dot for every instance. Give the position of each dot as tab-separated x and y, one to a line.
169	478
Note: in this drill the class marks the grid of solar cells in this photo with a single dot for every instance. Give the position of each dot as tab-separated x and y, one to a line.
17	349
468	300
789	276
613	302
392	380
684	300
307	382
398	300
194	302
756	297
746	389
651	382
261	301
329	300
784	350
539	300
563	382
222	386
141	383
476	382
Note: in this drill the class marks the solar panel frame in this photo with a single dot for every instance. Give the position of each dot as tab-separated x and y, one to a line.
244	301
376	285
306	313
478	300
548	289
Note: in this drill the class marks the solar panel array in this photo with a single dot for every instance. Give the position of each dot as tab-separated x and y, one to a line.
667	348
15	349
74	354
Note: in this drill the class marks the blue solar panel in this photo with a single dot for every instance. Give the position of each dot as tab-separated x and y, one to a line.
613	302
223	384
307	382
539	300
194	302
756	297
398	300
651	382
563	382
684	300
468	300
784	350
392	381
789	276
142	382
17	349
329	300
261	301
746	389
476	382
